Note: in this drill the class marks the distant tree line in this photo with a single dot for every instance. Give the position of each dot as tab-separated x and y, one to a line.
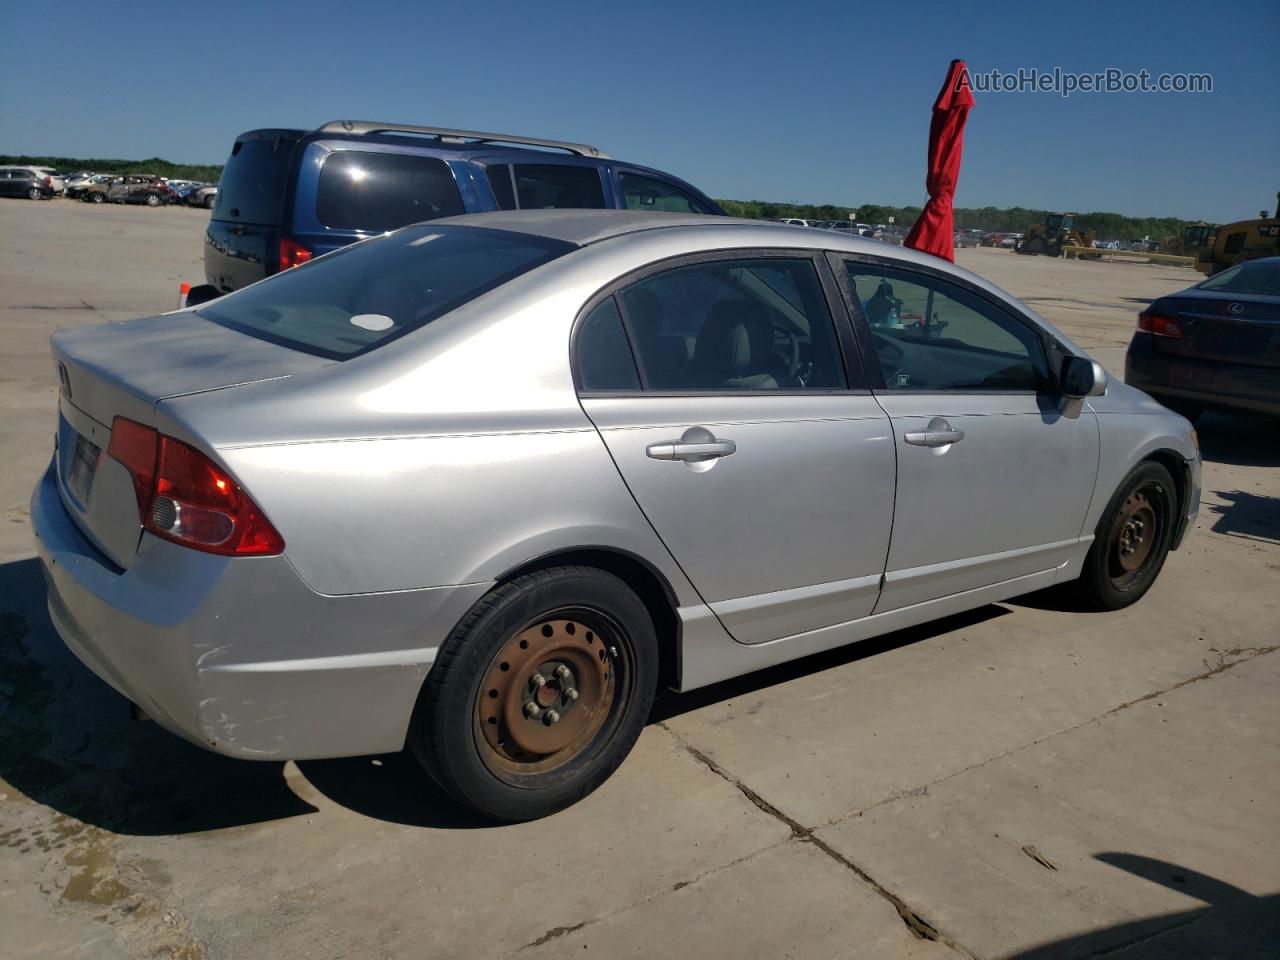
1107	226
204	172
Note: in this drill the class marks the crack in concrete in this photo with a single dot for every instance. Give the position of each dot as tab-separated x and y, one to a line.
918	925
1222	665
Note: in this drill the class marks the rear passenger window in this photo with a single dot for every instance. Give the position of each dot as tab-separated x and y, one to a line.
731	325
646	193
605	364
374	192
545	185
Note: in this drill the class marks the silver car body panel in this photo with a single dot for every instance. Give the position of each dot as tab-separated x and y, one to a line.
406	481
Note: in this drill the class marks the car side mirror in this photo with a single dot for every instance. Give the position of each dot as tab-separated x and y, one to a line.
202	294
1082	377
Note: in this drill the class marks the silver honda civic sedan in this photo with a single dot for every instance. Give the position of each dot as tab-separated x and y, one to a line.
485	485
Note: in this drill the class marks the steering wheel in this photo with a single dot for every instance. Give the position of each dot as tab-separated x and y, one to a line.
891	356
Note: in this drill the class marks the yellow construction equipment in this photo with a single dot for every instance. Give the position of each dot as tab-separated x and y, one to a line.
1057	231
1234	243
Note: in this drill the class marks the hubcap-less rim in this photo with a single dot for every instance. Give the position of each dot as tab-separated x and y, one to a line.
548	692
1134	537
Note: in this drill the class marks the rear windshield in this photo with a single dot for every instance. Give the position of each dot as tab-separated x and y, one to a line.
375	192
1260	278
362	296
254	180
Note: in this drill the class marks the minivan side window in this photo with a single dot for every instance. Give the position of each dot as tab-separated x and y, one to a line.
646	193
929	334
724	326
548	185
375	192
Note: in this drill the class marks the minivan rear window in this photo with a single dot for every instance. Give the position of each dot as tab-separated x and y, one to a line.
363	296
375	192
253	181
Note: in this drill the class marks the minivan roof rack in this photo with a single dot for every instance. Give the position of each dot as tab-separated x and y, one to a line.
363	127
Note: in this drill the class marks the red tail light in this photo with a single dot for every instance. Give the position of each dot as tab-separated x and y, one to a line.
292	253
1159	325
185	497
48	181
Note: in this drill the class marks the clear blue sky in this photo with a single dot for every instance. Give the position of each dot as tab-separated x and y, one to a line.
792	101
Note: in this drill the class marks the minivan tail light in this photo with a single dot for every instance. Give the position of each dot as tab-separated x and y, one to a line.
1159	325
292	253
185	497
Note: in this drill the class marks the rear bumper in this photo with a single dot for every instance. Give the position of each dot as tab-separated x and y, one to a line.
1210	383
239	655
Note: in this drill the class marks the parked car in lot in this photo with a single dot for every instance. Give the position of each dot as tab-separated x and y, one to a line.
24	182
965	239
202	197
56	182
485	484
137	188
289	195
1213	346
78	186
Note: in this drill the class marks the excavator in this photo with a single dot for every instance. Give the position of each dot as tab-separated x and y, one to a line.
1234	243
1050	237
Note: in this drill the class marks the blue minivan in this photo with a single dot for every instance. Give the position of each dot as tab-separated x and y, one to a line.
289	195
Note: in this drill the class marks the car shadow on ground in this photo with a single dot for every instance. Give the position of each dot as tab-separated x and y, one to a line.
67	739
1239	440
1235	924
1250	515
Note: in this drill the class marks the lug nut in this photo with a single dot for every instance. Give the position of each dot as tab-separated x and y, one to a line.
532	710
551	717
537	680
562	672
613	652
571	694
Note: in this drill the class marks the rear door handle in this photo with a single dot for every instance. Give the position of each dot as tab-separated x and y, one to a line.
682	450
938	434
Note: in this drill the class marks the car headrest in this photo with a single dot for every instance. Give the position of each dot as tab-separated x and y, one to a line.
736	339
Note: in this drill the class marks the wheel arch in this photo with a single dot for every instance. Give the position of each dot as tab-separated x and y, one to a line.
1177	466
640	575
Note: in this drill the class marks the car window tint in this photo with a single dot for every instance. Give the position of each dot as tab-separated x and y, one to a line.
1248	278
932	335
544	185
500	182
729	325
605	363
374	192
368	294
253	181
646	193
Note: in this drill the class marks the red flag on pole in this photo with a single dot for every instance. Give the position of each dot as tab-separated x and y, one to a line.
934	231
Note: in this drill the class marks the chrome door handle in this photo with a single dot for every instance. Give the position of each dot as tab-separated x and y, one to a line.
680	450
939	434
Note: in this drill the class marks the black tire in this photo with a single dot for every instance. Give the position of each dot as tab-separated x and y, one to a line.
208	202
1106	583
97	197
446	734
35	194
153	200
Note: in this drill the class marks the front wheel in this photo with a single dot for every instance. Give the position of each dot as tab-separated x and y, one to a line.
1131	541
538	694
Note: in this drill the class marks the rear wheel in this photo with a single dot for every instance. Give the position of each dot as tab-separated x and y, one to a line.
1131	541
208	202
153	200
34	193
539	693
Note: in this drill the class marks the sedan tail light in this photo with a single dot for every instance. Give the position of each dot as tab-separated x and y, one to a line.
1159	325
185	497
292	253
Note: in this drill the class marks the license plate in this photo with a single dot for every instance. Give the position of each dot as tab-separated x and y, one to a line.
84	462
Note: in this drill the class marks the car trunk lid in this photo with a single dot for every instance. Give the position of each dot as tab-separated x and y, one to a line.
1244	329
125	370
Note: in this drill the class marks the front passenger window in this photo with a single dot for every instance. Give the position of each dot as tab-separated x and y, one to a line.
929	334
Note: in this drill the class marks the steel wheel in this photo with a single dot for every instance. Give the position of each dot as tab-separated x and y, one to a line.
1133	535
548	692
